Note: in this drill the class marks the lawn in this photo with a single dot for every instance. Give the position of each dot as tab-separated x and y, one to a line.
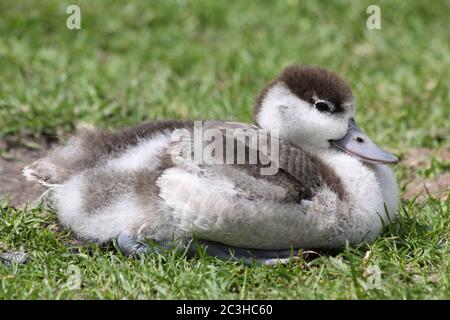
144	60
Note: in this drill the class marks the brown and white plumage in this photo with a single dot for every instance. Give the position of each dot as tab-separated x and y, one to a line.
109	183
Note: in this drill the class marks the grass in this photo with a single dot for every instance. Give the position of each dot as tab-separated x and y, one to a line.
208	59
410	261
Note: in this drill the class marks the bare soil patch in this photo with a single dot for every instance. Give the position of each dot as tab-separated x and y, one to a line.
13	157
438	185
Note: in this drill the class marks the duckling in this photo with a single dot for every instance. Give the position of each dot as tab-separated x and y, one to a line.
333	186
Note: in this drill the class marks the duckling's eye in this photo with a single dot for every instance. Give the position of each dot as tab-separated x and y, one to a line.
323	106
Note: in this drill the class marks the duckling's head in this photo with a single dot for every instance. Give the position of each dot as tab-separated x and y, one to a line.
314	108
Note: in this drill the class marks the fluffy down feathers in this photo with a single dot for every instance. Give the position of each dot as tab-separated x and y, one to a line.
136	191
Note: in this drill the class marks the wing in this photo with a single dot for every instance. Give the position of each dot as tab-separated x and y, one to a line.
292	168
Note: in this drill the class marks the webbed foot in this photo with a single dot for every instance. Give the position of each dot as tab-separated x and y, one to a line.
131	246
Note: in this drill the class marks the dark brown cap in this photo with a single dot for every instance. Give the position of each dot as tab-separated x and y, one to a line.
307	82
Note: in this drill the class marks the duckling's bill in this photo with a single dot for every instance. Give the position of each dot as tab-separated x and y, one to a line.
358	144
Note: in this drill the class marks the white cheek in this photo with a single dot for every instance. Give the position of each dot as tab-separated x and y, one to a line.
269	116
297	121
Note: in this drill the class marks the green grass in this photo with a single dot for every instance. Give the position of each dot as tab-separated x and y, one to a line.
143	60
410	261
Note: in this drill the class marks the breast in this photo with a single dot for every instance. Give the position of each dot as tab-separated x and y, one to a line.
367	188
389	188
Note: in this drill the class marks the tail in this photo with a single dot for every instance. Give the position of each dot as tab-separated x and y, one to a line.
43	172
64	161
